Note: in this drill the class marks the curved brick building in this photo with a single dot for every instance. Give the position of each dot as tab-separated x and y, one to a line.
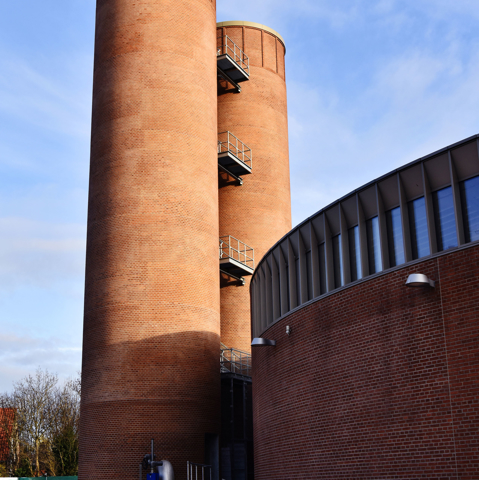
152	315
258	212
374	379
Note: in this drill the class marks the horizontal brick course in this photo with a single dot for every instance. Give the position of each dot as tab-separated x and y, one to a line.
152	328
258	212
376	381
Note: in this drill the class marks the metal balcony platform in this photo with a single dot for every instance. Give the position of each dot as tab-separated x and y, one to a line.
227	65
234	267
236	258
233	155
235	361
233	164
231	60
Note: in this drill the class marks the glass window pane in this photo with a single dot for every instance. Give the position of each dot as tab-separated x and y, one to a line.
337	262
322	268
444	219
354	253
418	228
374	246
395	239
470	208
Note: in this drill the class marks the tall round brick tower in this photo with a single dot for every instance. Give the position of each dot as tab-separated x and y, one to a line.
258	212
152	317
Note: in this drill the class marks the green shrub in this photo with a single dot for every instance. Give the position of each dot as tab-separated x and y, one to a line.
24	469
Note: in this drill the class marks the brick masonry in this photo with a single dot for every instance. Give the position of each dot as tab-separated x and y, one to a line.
258	212
7	417
152	316
376	381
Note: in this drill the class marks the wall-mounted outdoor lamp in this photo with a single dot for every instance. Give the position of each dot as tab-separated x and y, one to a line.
288	330
419	280
263	342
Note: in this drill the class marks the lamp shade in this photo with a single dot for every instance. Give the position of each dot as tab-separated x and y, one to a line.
419	280
263	342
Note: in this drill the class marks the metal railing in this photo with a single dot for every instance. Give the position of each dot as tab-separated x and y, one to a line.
192	469
226	46
231	247
227	142
235	361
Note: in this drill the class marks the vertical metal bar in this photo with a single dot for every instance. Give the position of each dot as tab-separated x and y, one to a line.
152	455
346	261
232	411
461	239
245	422
187	470
406	229
431	224
383	236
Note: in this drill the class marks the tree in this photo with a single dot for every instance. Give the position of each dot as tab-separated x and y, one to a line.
24	468
32	399
43	428
65	451
65	424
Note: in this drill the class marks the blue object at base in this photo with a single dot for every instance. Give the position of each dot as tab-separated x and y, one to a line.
153	476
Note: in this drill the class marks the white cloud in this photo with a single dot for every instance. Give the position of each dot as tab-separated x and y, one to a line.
414	104
393	15
48	103
21	355
39	253
280	15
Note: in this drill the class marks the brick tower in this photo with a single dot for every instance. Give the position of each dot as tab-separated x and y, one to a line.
152	315
163	73
258	212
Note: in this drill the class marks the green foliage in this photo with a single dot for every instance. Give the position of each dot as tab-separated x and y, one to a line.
24	469
43	435
65	450
3	471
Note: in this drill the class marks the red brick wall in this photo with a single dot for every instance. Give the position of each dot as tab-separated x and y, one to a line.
7	416
376	381
152	326
258	212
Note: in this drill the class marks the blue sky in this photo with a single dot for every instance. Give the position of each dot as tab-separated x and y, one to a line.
372	84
